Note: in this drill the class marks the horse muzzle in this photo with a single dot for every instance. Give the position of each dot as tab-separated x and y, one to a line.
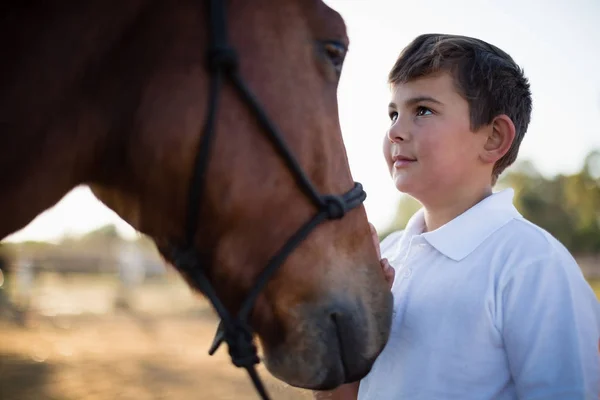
330	346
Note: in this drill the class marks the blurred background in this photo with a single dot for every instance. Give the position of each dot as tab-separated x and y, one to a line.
89	311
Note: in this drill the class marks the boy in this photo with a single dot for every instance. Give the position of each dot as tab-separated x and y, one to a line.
487	305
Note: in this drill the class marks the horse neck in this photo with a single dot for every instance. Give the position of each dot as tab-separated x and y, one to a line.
57	107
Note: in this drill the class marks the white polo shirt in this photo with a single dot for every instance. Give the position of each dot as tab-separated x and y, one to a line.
488	306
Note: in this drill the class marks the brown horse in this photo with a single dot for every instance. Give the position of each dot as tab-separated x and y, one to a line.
113	94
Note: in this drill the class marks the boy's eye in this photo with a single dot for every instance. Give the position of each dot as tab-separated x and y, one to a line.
422	111
393	116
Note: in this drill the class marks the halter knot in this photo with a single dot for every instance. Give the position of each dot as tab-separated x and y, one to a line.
334	206
242	350
223	58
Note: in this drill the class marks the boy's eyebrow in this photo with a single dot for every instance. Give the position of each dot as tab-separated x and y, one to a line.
417	99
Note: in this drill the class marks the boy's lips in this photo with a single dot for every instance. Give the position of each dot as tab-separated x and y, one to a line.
402	161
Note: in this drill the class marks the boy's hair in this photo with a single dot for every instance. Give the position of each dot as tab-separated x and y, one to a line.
487	77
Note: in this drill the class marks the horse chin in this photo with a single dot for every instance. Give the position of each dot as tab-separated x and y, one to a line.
301	373
318	368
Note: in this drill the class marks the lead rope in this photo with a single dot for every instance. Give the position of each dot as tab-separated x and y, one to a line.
222	60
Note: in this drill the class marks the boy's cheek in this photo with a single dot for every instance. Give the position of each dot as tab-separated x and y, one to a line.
386	145
386	151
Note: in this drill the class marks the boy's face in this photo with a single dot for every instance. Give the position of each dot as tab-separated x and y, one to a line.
430	149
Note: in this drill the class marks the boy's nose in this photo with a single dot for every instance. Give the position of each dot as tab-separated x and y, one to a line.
397	133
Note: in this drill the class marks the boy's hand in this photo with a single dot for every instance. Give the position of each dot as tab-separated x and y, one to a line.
388	271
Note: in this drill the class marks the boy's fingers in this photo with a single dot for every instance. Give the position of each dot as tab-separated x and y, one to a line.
375	238
388	272
385	263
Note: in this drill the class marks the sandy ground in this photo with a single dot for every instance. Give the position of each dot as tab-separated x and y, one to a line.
76	345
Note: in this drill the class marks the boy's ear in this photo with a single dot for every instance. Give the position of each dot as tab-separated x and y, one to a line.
500	138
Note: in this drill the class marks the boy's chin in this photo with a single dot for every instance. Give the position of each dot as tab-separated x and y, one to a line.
404	185
412	189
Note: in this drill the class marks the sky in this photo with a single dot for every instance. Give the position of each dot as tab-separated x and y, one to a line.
556	42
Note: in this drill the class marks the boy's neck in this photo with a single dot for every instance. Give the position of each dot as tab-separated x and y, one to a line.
451	206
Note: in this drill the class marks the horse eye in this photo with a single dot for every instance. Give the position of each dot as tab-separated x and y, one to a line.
336	53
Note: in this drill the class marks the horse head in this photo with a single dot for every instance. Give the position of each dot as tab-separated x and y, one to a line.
123	105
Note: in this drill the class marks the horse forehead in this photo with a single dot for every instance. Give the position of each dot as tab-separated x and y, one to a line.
325	21
322	20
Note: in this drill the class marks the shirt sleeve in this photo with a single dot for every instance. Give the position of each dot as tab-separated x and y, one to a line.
551	330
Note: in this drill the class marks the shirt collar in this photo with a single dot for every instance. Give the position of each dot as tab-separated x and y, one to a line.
462	235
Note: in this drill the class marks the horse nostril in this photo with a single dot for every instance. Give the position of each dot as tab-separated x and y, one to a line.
352	336
343	346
